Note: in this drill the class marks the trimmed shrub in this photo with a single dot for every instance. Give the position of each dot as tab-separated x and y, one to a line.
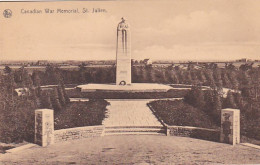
78	114
181	114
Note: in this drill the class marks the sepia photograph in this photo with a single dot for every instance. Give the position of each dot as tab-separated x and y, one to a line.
129	82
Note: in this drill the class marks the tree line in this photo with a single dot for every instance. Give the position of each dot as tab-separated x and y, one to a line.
17	112
212	101
229	77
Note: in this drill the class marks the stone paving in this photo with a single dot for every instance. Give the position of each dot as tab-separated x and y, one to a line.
134	149
130	113
133	87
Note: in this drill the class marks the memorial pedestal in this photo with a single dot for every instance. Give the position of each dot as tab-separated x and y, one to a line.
44	127
230	126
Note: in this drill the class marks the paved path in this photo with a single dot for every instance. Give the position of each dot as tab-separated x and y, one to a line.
130	113
134	149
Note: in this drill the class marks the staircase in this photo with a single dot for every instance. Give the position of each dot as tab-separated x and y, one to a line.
135	130
131	117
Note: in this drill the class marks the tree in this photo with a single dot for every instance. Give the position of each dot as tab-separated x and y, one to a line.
9	84
218	78
255	83
233	78
190	65
201	76
213	105
134	73
45	100
112	75
168	76
229	102
226	81
195	97
229	66
150	74
52	74
175	78
143	73
245	79
171	77
102	75
55	100
177	67
17	113
163	78
64	93
217	106
246	67
26	79
7	70
188	79
210	79
36	79
181	77
194	78
239	100
61	96
82	74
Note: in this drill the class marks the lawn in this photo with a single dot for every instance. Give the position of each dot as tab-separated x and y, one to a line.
179	113
78	114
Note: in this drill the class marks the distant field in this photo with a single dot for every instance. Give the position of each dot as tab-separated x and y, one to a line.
238	64
43	67
72	67
39	68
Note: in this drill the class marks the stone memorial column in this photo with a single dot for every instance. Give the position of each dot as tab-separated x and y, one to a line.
44	127
230	126
123	54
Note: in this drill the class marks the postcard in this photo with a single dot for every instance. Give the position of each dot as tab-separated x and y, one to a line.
130	82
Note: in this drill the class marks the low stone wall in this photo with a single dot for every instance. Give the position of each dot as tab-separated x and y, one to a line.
77	133
194	132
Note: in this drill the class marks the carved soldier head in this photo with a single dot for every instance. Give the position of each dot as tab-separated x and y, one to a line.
123	19
123	25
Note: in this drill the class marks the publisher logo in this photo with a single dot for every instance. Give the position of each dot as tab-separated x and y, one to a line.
7	13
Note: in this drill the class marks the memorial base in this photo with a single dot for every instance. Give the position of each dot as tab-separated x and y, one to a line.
44	127
230	126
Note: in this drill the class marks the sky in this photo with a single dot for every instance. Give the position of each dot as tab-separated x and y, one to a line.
160	30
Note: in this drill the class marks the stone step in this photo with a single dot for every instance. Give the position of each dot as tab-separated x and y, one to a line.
113	130
134	130
135	133
120	127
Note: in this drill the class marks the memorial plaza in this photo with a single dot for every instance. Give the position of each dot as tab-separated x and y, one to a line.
131	132
135	149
